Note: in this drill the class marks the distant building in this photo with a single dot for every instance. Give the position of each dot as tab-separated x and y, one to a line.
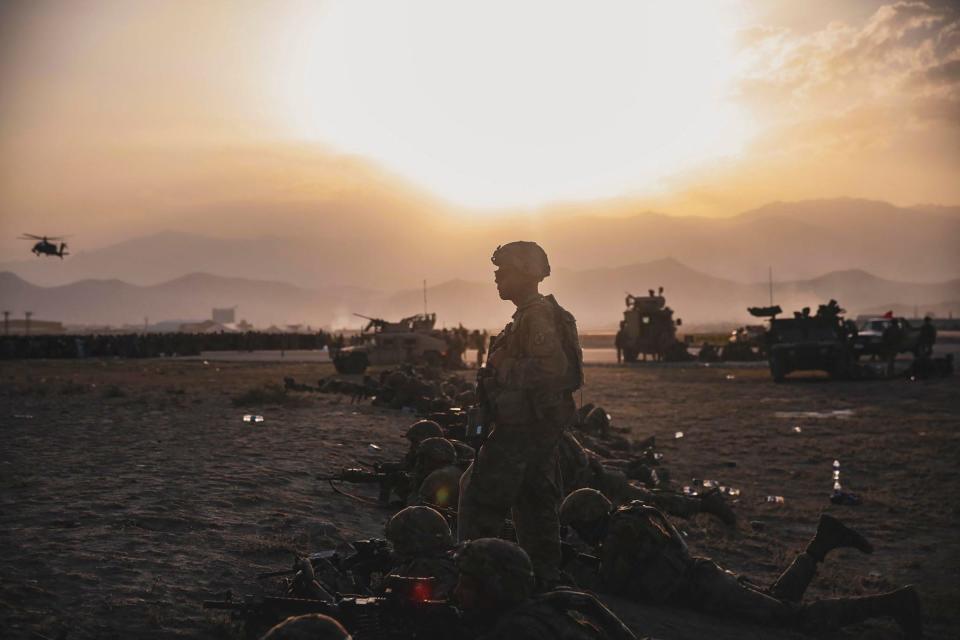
20	327
225	316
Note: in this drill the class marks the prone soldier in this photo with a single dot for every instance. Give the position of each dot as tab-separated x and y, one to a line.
436	473
312	626
423	543
643	557
582	468
494	590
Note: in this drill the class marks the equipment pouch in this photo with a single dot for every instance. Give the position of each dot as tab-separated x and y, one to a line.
512	406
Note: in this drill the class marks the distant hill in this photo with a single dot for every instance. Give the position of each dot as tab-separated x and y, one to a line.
595	296
322	247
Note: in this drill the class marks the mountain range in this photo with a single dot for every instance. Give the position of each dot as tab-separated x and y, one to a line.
595	296
316	248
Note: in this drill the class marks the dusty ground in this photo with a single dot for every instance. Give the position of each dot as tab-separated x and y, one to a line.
130	491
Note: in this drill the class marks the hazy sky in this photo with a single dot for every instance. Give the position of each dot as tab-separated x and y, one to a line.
118	116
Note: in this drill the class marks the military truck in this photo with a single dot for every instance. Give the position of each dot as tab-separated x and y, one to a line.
805	342
886	336
411	340
648	328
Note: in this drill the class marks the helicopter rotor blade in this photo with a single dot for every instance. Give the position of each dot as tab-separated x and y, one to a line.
30	236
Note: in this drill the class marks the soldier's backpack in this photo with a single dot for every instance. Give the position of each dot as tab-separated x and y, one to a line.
567	326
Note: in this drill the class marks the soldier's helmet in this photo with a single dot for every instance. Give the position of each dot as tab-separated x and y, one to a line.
583	507
436	452
441	487
396	379
313	626
417	530
526	257
423	429
503	569
597	421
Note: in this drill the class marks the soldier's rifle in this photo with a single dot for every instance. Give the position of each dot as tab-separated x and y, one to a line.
385	474
480	416
569	553
371	556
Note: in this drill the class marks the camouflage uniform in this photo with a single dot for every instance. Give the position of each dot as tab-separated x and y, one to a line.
531	398
643	557
581	467
424	546
503	572
438	565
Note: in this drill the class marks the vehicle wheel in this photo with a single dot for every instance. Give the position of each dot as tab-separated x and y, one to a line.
355	362
840	369
777	368
630	355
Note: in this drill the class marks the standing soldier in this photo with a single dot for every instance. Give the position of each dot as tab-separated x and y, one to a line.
534	365
480	343
928	336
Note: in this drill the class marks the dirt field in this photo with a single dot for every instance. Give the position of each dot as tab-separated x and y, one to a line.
132	490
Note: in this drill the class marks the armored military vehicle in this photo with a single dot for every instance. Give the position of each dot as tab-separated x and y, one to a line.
648	328
411	340
745	344
820	342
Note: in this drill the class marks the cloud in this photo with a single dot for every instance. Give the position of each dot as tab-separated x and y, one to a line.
903	50
868	109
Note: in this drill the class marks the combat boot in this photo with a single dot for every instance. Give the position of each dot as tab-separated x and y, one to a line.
713	502
833	534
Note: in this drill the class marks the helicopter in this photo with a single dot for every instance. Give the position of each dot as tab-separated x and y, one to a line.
45	247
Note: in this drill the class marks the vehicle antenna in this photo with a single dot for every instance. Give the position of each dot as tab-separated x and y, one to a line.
424	297
770	274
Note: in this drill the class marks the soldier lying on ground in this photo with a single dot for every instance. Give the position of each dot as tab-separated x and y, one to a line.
582	468
313	626
643	557
321	577
593	426
436	474
423	543
495	588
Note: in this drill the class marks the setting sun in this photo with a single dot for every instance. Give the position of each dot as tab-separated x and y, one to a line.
509	104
